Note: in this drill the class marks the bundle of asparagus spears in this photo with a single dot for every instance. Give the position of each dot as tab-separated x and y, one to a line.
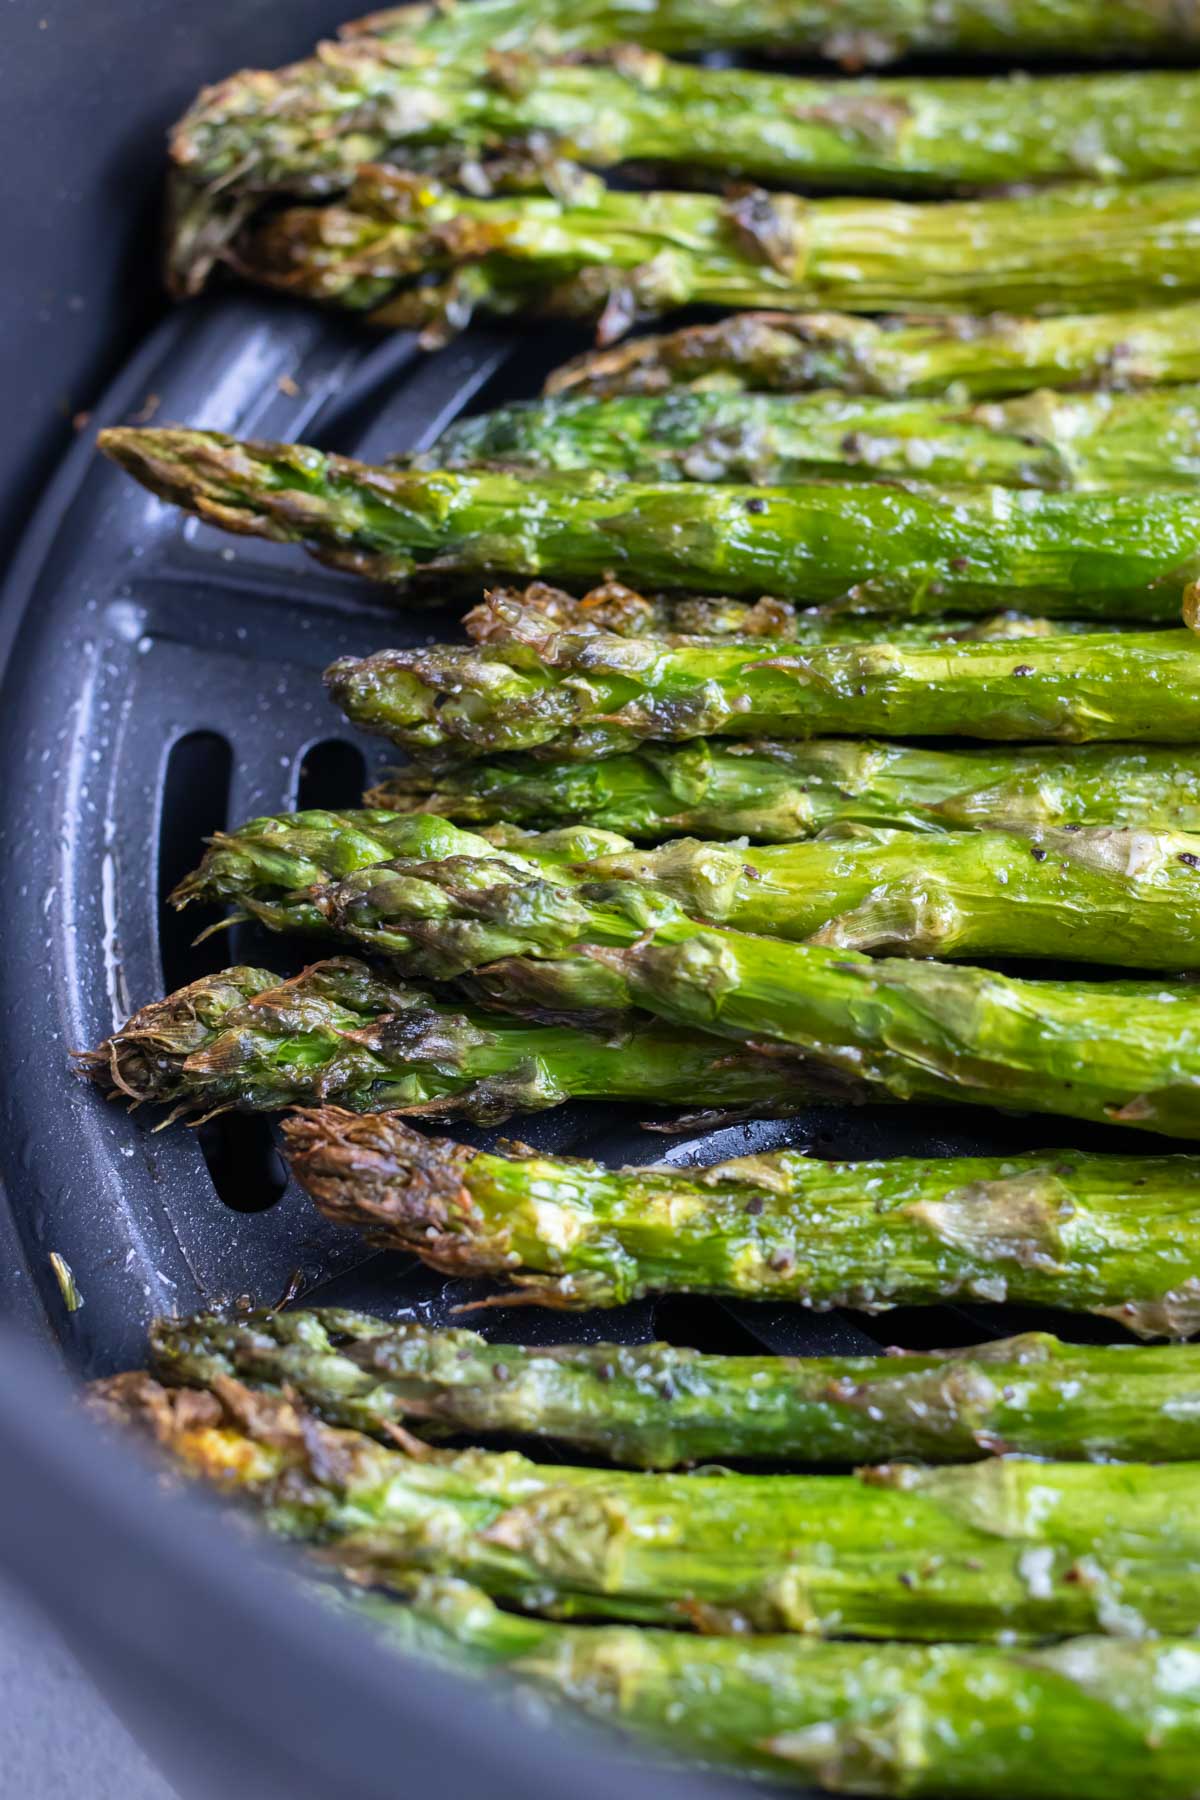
873	666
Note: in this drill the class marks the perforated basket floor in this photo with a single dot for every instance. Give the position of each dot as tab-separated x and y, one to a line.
165	682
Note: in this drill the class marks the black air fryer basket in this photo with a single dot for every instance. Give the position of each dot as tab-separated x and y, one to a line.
163	681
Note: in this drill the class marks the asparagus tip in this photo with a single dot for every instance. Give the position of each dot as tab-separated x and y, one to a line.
372	1171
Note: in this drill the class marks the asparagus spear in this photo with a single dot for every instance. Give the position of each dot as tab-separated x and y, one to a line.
851	31
584	696
306	129
654	1406
618	255
783	792
898	548
981	1551
1042	440
1089	1719
340	1031
613	606
1104	895
1114	1235
1122	1052
429	89
1127	1051
971	358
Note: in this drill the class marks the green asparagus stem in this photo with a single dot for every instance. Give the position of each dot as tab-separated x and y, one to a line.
656	1407
619	256
1104	895
855	33
1001	1549
433	86
967	357
1123	1052
589	695
896	549
306	129
1126	1052
340	1031
1115	1235
1042	440
612	606
1090	1719
784	792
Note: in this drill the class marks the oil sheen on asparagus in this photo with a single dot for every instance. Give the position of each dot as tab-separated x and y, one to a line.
854	31
783	792
343	1032
305	130
1088	1719
893	548
417	254
1042	440
1113	1235
656	1406
571	694
1018	1550
1106	895
978	357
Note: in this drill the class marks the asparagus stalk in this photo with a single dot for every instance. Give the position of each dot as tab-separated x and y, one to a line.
1042	440
339	1031
433	89
1104	895
855	32
977	358
613	606
1114	1235
619	256
1090	1719
1126	1052
655	1407
976	1552
784	792
1123	1052
306	129
898	549
584	696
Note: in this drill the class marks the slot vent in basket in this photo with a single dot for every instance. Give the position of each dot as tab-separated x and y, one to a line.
195	803
246	1168
333	774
